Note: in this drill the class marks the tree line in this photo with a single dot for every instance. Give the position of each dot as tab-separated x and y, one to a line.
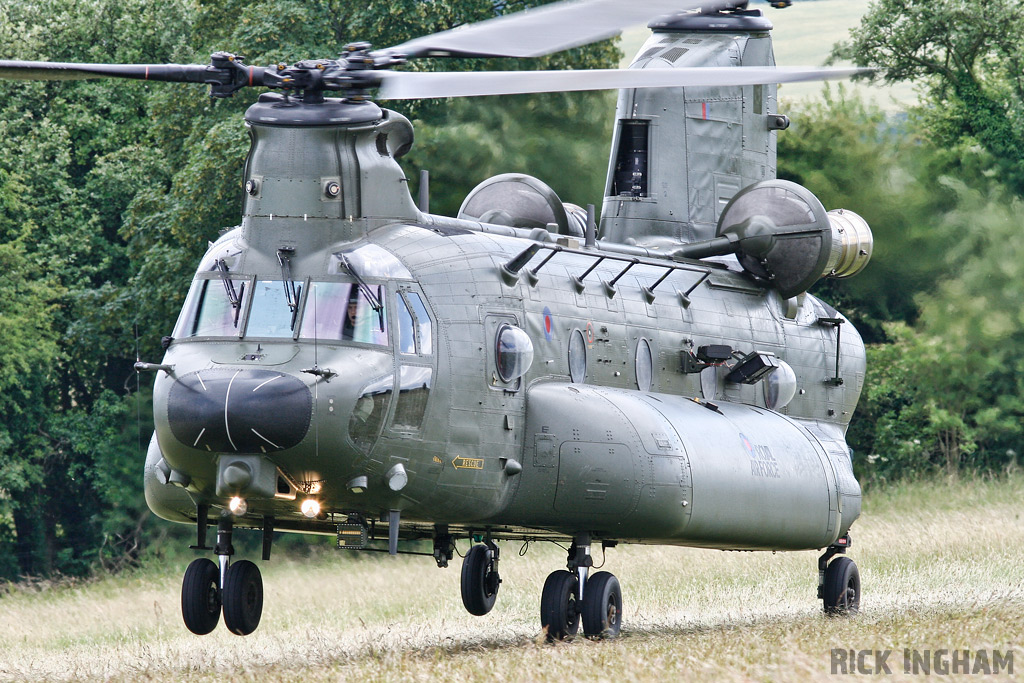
110	191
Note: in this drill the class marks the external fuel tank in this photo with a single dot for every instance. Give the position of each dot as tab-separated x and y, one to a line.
660	468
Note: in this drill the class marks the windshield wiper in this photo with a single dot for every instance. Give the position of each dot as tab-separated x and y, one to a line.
367	293
234	296
291	291
375	303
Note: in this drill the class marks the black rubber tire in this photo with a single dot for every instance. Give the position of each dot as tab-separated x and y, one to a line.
602	606
841	595
243	598
559	609
200	596
479	582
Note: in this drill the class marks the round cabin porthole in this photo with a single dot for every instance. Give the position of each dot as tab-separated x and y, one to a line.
780	387
709	383
514	353
644	364
577	357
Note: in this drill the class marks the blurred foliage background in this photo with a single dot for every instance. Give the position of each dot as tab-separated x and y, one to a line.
110	191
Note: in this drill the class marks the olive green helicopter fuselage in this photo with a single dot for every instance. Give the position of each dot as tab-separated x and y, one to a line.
347	363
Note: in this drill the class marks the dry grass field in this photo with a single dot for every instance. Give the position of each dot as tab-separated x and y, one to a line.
942	565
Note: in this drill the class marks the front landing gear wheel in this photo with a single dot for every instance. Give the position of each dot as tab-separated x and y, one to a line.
200	596
602	606
559	609
841	592
480	579
243	598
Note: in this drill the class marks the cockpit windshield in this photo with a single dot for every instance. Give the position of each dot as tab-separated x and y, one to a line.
270	316
213	309
345	311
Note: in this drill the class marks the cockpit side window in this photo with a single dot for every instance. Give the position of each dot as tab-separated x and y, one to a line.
415	335
346	311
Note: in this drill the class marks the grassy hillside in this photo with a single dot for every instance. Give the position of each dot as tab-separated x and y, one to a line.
804	35
941	565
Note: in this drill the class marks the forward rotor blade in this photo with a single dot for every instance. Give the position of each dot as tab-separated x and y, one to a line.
63	71
422	85
547	29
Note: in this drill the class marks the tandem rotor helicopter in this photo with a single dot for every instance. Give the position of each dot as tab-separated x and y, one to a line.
347	363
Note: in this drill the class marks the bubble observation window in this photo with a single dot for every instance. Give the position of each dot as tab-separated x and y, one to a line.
577	357
514	353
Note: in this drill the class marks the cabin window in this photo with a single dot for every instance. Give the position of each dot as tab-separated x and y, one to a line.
644	365
577	357
709	382
514	353
780	387
345	310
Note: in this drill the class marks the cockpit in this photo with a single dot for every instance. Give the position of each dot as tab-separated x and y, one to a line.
349	303
366	298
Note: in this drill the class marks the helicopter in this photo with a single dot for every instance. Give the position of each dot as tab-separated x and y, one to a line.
348	364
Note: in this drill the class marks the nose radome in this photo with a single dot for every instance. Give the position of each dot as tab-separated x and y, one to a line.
239	411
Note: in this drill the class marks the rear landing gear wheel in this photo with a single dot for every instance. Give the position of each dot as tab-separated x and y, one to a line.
200	596
480	579
243	598
602	606
559	609
841	592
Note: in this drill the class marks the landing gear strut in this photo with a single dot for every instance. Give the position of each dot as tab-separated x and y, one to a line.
838	580
572	595
206	588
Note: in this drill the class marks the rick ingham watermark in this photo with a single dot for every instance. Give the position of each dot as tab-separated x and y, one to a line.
927	662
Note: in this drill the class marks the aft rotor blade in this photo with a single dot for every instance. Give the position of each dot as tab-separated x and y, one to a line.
547	29
63	71
422	85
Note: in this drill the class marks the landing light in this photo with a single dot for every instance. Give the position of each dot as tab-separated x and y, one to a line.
358	484
310	508
238	506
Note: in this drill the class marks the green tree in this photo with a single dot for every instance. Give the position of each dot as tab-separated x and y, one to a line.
853	156
947	395
966	57
67	177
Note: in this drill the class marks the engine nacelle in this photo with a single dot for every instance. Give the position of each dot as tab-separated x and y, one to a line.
795	242
522	201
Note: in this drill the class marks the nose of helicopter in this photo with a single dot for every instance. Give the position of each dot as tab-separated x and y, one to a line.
239	410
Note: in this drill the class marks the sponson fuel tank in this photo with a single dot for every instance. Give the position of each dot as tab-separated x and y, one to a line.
674	470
